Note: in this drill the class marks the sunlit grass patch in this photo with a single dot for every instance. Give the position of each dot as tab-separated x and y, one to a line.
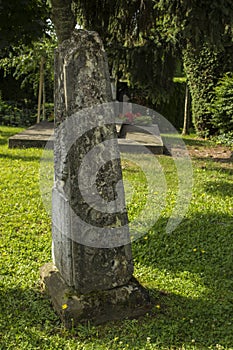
188	272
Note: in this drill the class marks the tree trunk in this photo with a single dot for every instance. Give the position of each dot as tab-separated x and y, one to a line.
41	82
63	19
186	112
43	104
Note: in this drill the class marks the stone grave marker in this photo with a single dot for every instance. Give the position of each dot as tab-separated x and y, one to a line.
91	277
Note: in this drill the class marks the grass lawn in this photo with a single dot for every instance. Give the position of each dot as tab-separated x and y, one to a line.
189	272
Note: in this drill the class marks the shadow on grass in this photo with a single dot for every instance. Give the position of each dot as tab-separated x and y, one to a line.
199	322
179	323
216	160
197	142
200	251
23	312
3	142
222	188
25	157
227	168
181	249
27	317
5	133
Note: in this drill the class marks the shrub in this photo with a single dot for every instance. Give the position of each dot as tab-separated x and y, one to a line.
224	139
222	105
202	70
16	114
22	113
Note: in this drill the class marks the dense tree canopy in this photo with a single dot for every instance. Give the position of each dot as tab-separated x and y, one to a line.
144	37
136	50
144	40
21	21
202	31
23	62
26	39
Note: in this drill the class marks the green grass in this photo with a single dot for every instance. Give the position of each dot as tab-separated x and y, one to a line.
188	272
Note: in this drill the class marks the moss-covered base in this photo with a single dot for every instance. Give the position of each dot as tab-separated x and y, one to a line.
128	301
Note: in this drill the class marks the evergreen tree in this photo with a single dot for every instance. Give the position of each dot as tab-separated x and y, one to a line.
142	38
202	31
21	22
136	50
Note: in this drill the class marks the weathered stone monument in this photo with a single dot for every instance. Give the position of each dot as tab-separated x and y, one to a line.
91	277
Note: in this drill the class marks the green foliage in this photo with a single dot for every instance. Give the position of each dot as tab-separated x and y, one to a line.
225	138
136	50
202	69
196	22
202	30
21	21
49	111
24	63
188	272
149	67
16	114
22	113
222	105
117	22
173	108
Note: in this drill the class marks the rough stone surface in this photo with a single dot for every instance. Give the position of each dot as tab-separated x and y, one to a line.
128	301
82	81
81	74
38	135
140	139
89	280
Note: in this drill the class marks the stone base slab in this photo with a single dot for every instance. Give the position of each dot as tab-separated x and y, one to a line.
38	135
128	301
42	134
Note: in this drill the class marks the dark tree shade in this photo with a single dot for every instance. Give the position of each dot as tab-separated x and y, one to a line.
126	28
120	19
21	21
